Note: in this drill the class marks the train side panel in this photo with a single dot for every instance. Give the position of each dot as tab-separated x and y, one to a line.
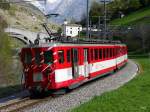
64	76
56	67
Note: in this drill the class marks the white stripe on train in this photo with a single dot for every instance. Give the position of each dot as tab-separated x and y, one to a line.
66	74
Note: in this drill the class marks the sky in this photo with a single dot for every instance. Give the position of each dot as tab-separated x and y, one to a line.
71	9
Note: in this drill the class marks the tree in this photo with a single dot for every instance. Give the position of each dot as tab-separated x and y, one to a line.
133	5
5	49
96	10
144	2
5	5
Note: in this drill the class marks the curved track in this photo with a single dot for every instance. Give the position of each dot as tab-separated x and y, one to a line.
87	91
18	105
77	96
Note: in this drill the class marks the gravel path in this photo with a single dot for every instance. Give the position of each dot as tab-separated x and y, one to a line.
88	91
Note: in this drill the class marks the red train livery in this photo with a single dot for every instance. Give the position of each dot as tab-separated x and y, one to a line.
55	66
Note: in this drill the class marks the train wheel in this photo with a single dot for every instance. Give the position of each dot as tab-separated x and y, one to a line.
36	94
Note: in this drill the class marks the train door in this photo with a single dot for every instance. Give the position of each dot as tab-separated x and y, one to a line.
75	66
86	64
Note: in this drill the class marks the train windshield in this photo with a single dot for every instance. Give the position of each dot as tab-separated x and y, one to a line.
48	57
28	58
37	58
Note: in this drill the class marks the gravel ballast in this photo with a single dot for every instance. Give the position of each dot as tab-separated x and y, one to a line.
87	91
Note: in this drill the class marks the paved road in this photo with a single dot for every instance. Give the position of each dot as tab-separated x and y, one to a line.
88	91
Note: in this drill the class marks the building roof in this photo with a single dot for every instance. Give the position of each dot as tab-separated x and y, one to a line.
74	25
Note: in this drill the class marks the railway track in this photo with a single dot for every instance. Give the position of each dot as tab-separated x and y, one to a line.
18	105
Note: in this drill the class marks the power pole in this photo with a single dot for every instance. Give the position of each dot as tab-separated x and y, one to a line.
99	25
90	24
105	21
105	17
87	20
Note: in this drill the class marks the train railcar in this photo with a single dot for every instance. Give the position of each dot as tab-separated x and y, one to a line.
54	66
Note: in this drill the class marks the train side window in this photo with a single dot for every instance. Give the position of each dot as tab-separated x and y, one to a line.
100	53
114	54
116	51
61	56
48	57
124	50
91	54
110	52
27	58
96	54
68	56
104	54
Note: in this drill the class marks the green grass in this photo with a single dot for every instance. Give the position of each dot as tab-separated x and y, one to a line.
141	16
133	97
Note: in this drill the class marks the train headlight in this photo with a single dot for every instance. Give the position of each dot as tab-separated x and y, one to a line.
37	77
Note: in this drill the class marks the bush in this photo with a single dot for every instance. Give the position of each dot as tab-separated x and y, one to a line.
5	49
4	5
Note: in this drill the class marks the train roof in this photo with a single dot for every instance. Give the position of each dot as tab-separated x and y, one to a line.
56	44
76	42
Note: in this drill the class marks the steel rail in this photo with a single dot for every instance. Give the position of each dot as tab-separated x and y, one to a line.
18	105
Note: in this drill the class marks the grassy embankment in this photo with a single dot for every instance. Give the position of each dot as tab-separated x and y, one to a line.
140	16
9	67
133	97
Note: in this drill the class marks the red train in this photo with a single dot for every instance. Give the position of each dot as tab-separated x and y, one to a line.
54	66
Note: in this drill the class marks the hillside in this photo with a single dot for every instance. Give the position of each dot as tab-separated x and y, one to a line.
140	16
25	16
22	16
137	37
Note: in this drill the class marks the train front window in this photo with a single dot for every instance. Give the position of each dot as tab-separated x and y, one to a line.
27	58
37	58
48	57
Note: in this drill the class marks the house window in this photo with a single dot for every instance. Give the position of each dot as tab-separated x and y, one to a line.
70	32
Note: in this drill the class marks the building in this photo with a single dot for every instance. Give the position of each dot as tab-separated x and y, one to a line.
71	30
